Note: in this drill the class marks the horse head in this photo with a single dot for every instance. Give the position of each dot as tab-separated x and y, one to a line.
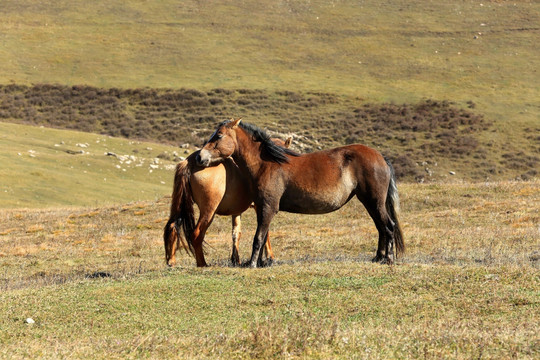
221	144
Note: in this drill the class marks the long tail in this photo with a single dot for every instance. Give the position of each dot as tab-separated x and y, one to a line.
182	213
392	207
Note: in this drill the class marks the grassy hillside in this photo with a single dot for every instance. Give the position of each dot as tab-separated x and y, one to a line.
424	140
313	45
50	167
438	86
94	281
332	71
483	51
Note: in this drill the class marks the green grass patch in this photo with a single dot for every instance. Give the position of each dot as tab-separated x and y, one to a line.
50	167
280	312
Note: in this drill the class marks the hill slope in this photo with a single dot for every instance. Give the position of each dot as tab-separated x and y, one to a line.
303	67
399	50
424	140
385	51
50	167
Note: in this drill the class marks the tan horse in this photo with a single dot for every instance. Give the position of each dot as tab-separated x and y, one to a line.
316	183
219	189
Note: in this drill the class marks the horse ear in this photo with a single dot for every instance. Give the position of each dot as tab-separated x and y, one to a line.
288	142
234	123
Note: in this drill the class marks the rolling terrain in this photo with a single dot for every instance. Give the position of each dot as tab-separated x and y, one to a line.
49	167
329	72
424	140
99	100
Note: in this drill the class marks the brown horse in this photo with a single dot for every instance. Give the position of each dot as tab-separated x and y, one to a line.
216	190
315	183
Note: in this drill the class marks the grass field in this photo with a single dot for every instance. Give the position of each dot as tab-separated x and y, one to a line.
437	86
95	283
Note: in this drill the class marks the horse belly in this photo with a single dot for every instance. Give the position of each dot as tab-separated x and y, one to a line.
297	201
319	196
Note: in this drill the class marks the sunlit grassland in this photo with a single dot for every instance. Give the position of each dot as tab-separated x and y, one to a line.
94	281
45	167
389	51
89	268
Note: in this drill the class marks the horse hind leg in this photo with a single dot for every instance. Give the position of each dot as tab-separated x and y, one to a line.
236	233
269	254
385	227
385	248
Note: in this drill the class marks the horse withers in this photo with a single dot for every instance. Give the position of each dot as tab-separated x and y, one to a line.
219	189
315	183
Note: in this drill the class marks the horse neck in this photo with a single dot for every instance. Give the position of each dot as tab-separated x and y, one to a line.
247	154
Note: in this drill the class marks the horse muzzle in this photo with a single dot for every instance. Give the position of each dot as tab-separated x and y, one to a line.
204	158
201	161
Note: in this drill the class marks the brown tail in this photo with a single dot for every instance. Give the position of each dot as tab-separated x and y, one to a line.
182	214
392	207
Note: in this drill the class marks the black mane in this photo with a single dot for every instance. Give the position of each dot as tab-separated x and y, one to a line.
270	151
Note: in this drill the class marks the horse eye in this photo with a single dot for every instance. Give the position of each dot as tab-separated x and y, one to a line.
220	136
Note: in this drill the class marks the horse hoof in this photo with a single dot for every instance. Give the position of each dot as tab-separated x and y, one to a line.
382	260
266	263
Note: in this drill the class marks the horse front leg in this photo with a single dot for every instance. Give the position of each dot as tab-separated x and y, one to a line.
258	243
264	218
198	239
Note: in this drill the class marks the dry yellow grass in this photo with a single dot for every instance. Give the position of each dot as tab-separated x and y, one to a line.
464	224
468	286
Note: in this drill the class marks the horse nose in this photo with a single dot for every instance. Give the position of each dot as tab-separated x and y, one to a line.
198	159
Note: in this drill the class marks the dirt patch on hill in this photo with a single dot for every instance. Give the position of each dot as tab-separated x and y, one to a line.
422	139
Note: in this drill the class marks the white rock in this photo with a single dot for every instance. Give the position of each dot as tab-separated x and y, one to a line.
30	321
